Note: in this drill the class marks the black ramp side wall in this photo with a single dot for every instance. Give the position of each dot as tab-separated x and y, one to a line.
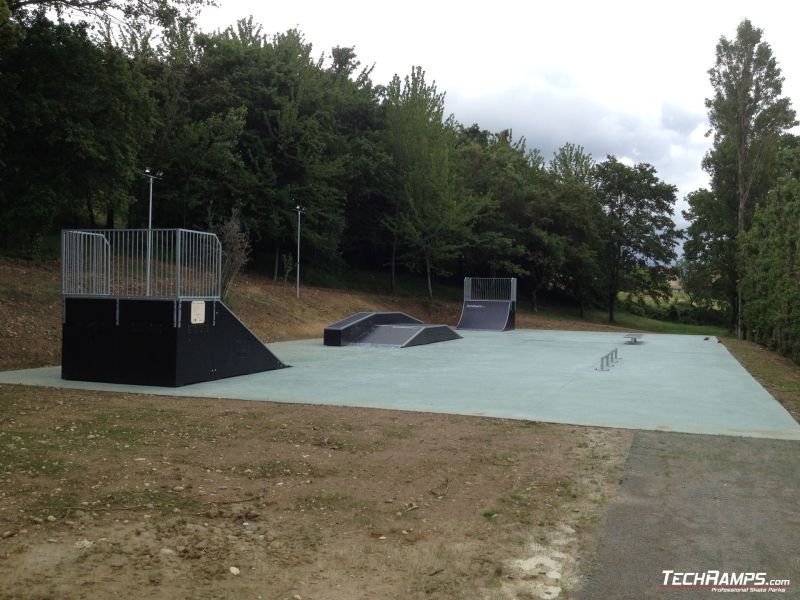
146	342
139	350
221	347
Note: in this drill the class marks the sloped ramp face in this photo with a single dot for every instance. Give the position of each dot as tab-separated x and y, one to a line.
349	330
430	334
398	330
157	342
404	336
488	315
221	347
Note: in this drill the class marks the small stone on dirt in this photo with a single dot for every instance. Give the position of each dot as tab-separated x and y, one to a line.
234	571
51	518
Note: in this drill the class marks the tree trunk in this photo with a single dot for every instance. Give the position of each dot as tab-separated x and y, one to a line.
90	212
612	300
582	309
535	300
277	259
394	261
110	217
428	269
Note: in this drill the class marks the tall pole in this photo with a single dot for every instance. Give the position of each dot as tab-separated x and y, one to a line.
300	210
151	177
149	229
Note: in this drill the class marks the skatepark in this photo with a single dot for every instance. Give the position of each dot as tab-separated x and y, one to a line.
124	333
548	376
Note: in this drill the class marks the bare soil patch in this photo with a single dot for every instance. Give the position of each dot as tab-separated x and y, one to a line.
104	494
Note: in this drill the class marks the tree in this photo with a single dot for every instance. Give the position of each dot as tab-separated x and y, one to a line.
747	115
747	109
431	216
771	252
502	172
162	12
235	250
81	113
572	163
639	237
710	250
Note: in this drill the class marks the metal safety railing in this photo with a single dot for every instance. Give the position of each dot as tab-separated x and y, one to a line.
490	288
139	263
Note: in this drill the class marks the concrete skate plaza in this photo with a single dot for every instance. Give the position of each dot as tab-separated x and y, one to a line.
667	382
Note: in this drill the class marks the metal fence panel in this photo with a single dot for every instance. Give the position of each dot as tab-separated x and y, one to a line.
490	288
141	263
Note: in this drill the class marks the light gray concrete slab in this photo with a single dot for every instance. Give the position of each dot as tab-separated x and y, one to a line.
667	382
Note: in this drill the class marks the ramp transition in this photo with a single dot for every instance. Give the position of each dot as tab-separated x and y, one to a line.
386	329
489	304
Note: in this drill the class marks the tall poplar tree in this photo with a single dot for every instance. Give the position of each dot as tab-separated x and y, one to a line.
747	115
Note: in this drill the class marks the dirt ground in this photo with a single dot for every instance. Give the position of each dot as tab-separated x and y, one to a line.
103	494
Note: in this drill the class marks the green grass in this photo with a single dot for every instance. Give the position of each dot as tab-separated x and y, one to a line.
415	285
628	321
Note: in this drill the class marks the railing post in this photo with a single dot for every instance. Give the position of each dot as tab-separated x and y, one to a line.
178	263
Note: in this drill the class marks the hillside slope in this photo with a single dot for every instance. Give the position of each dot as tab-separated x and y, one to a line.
30	312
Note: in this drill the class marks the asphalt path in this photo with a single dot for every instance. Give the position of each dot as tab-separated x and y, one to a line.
694	503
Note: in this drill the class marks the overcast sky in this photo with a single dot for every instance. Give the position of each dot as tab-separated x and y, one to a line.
622	78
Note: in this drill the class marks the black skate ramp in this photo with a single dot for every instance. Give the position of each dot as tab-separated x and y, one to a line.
164	342
386	329
489	315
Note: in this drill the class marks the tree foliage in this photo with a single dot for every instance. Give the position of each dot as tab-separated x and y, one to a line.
749	118
639	237
252	125
747	110
771	251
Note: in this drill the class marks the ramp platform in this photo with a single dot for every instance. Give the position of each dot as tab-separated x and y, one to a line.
490	304
386	329
158	342
143	307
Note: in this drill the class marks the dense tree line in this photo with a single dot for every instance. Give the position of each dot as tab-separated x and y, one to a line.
251	124
743	244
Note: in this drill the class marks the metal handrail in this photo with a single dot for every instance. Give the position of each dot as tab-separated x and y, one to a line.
490	288
141	263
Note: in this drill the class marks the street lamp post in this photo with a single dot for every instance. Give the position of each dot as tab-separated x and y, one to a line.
151	177
299	210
